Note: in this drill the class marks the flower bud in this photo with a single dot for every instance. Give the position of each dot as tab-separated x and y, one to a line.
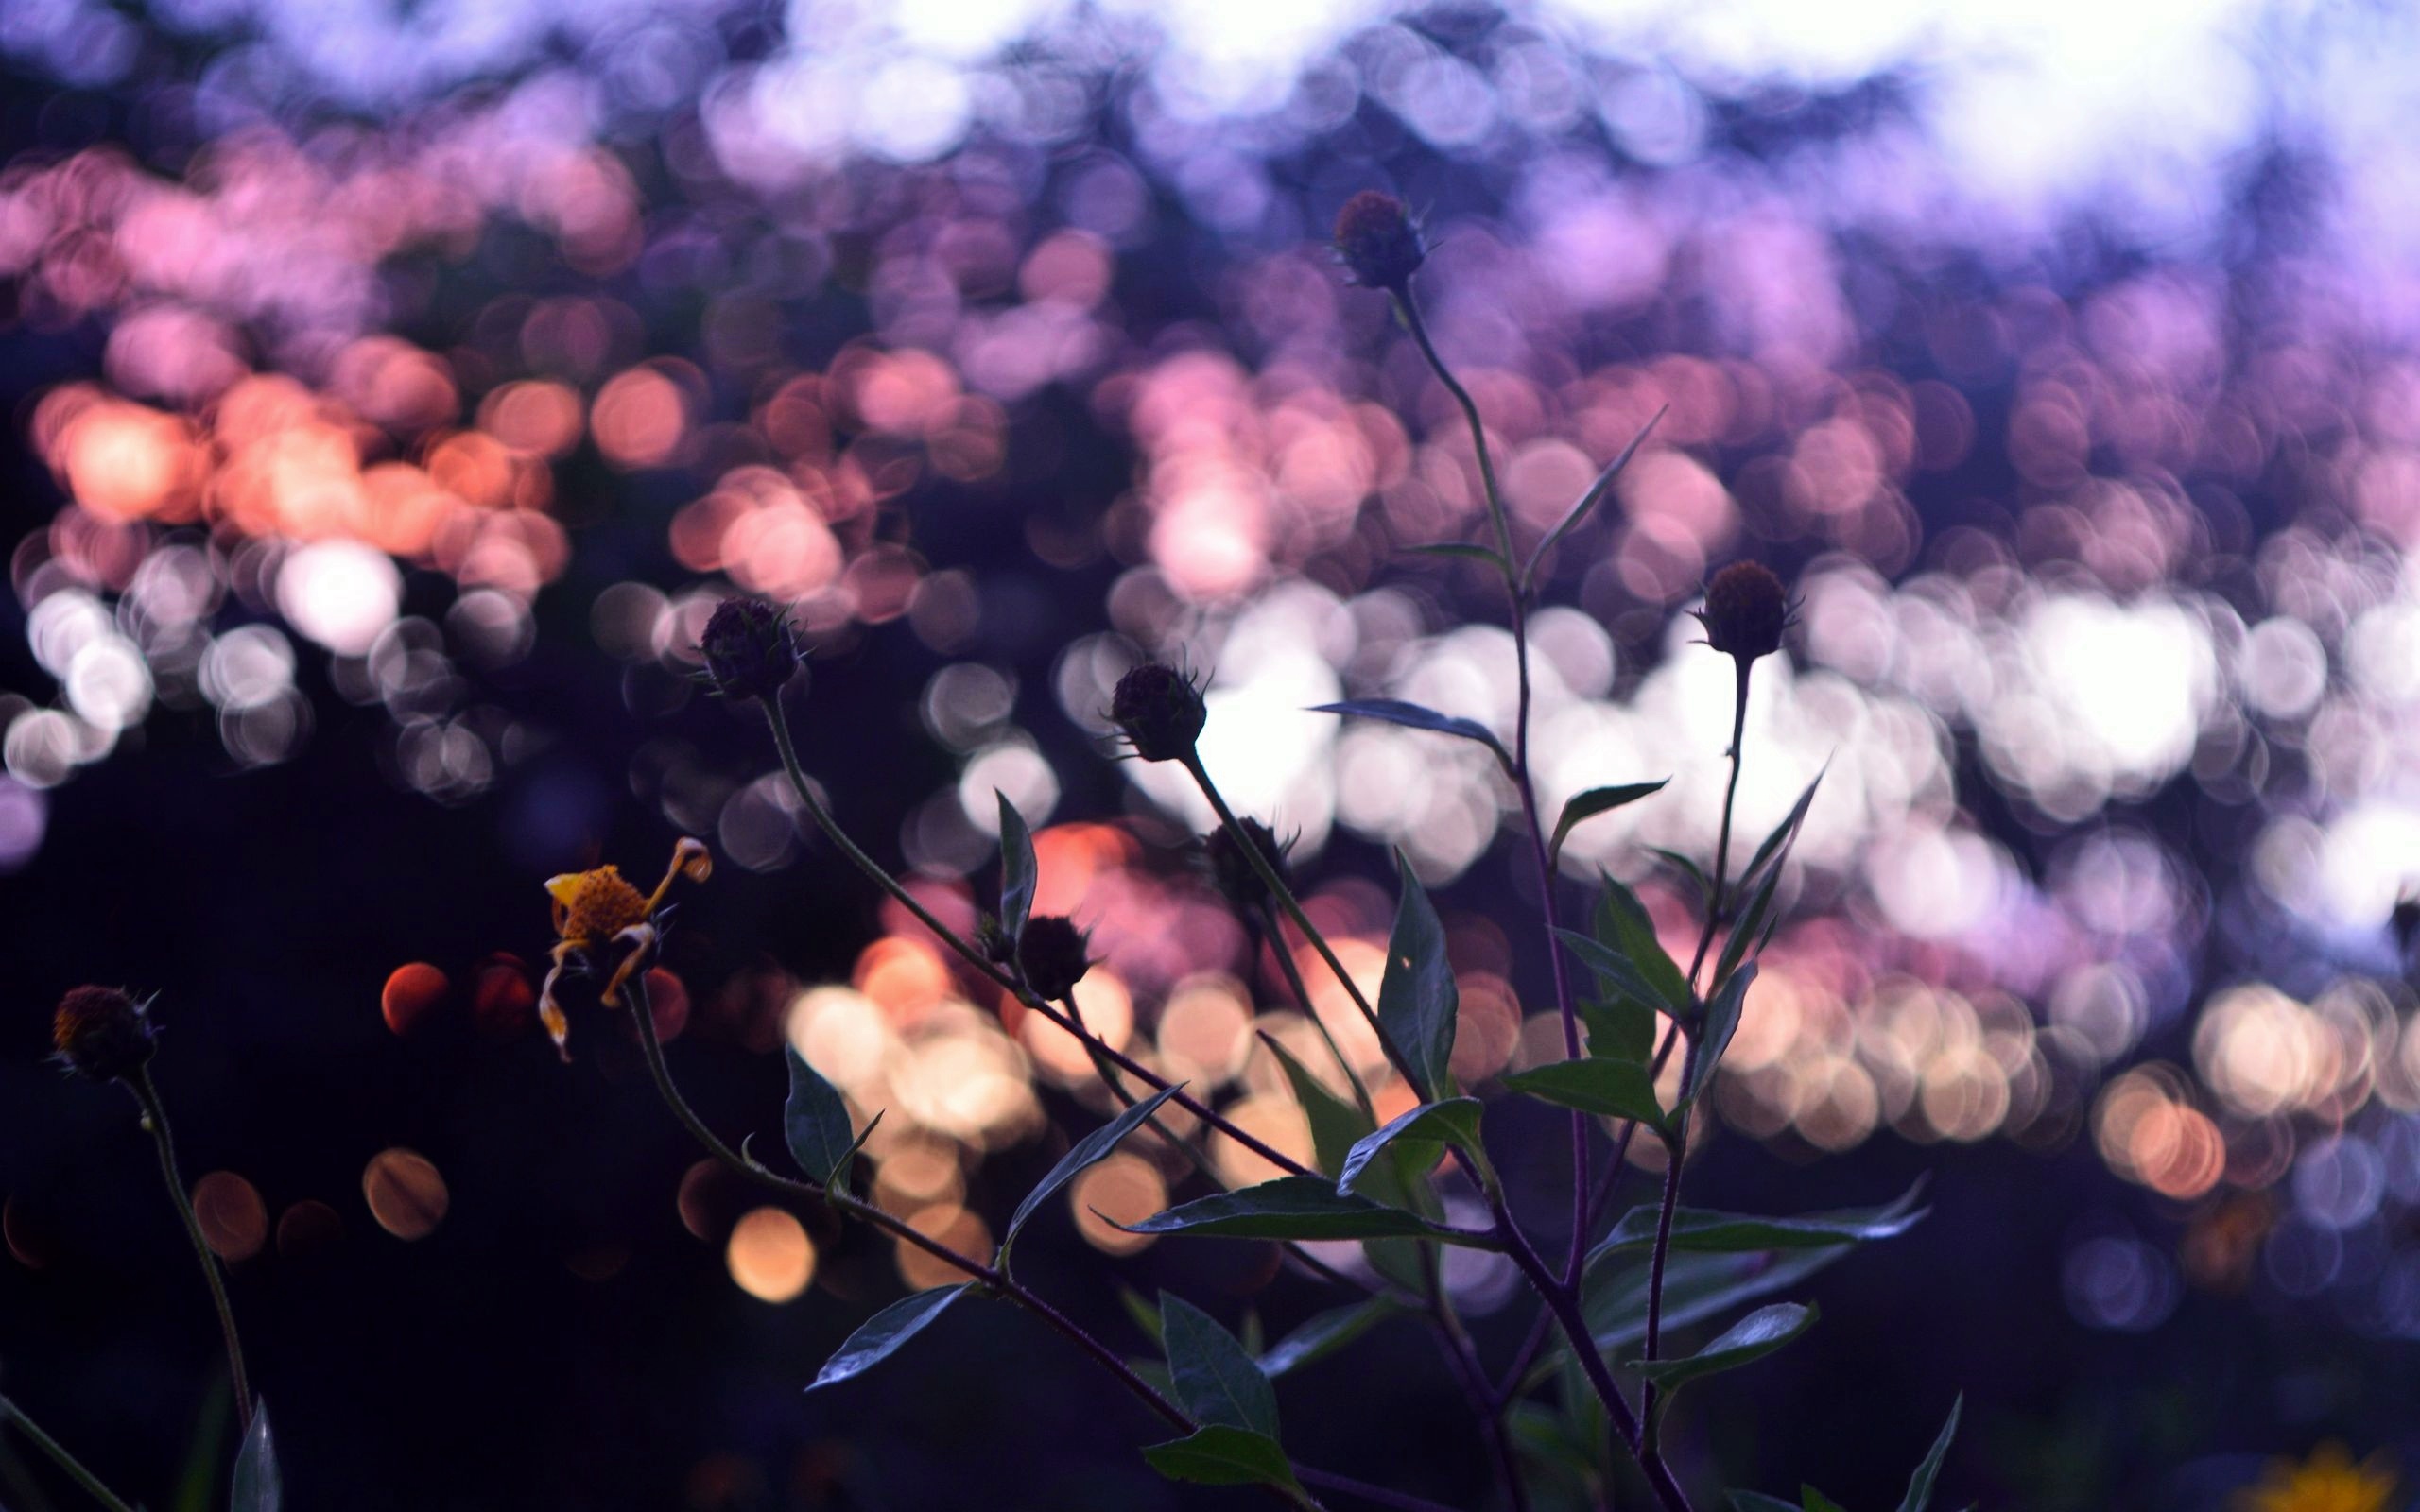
1052	953
1380	246
103	1033
1160	710
1745	612
993	942
1231	870
748	649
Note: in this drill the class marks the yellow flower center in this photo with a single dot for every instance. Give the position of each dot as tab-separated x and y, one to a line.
595	905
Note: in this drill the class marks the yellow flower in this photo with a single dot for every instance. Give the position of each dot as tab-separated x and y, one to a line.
2327	1482
596	911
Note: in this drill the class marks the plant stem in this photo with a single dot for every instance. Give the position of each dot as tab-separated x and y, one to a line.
989	969
1490	1413
1269	920
12	1412
1676	1148
1376	1495
1517	610
155	1118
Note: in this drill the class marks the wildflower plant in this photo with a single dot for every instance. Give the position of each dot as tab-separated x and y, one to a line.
1592	1385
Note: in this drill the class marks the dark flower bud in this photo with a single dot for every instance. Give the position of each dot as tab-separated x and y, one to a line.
1745	612
1052	953
1160	710
749	649
103	1033
2406	919
1231	868
1380	246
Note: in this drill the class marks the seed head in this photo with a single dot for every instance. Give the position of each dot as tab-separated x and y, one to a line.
1380	246
1160	710
1231	868
1745	612
1053	954
103	1033
749	648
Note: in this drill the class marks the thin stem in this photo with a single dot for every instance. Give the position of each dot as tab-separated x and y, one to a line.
155	1118
12	1412
1463	1357
1293	975
987	967
1715	908
1376	1495
1676	1148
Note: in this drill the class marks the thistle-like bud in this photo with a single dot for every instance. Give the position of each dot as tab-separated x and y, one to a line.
1232	871
1054	954
749	649
1745	612
103	1033
1380	246
1160	711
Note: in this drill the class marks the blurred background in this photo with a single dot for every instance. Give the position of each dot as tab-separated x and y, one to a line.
390	391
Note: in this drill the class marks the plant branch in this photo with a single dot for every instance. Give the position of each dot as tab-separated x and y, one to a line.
68	1464
155	1118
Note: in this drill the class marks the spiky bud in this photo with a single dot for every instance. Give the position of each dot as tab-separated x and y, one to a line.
1746	610
1160	711
1054	954
103	1033
1232	871
749	649
1375	237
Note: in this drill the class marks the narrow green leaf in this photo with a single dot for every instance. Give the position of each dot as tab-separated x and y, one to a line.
1776	844
1019	873
1612	967
1298	1207
1092	1148
1746	927
1588	501
1217	1380
1686	867
1591	803
1417	998
815	1120
1619	1028
1696	1229
1220	1455
1696	1287
1396	712
1815	1501
1758	1502
257	1485
1464	550
1751	1338
1336	1125
1623	924
1323	1334
1417	1135
1721	1023
1145	1312
1611	1089
1920	1485
878	1337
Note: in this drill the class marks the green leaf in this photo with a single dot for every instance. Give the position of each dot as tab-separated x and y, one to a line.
1220	1455
1396	712
1611	966
1758	1502
1323	1334
1686	867
1588	501
1696	1229
1721	1023
1751	1339
1465	550
1019	872
1336	1125
1816	1500
1416	1135
1612	1089
1591	803
878	1337
1142	1310
1417	998
1776	844
1216	1379
1696	1287
1298	1207
1920	1485
1092	1148
1744	928
1619	1028
816	1122
1622	922
257	1485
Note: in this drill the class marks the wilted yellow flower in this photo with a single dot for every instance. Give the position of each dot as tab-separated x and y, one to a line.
596	910
2327	1482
